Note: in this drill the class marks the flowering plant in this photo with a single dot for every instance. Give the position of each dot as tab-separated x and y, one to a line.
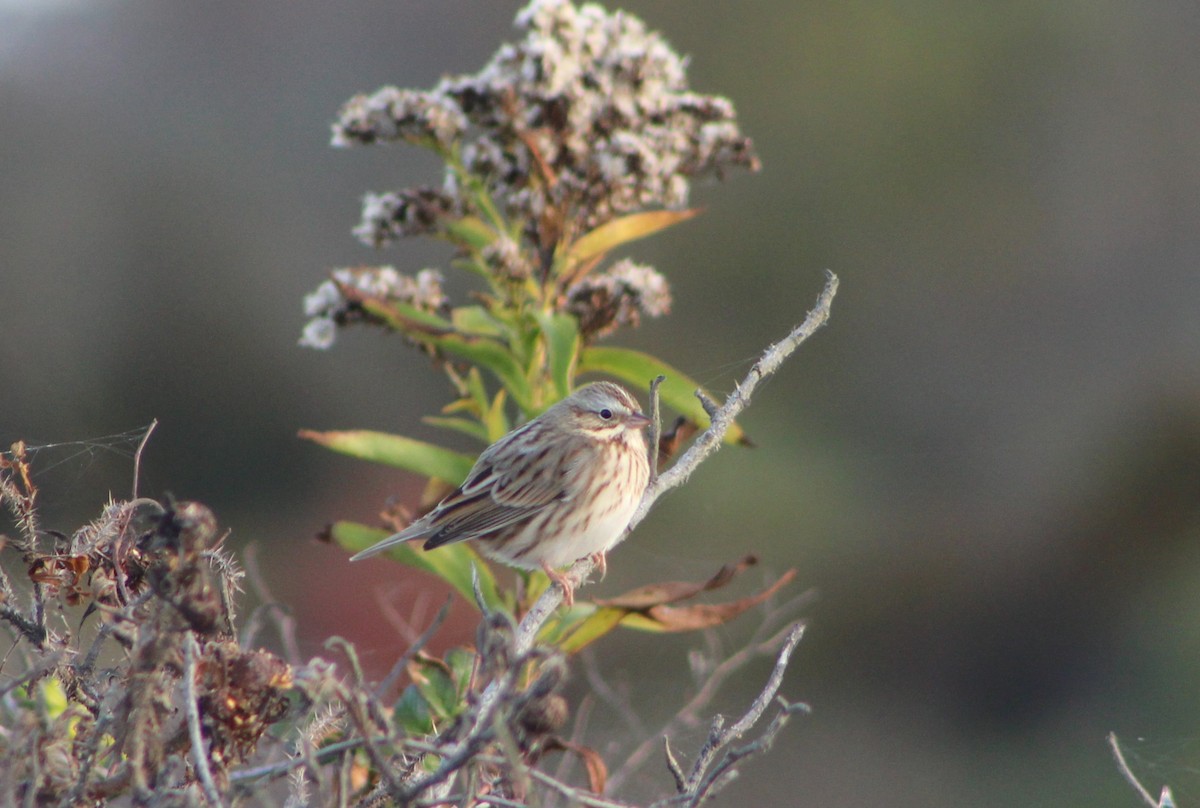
576	140
579	138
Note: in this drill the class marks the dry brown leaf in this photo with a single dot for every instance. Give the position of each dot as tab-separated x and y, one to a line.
597	771
651	595
672	439
702	615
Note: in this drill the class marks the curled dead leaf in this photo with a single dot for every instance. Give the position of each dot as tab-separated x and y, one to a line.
703	615
597	771
672	439
645	597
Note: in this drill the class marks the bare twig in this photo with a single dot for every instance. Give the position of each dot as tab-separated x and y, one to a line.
673	765
689	714
137	457
617	702
285	624
1165	800
582	716
725	770
574	795
705	778
359	714
321	756
723	737
418	644
655	426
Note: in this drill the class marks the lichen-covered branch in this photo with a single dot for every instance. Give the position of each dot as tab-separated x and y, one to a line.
710	439
704	446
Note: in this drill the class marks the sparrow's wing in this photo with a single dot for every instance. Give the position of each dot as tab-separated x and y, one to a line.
510	484
416	530
493	499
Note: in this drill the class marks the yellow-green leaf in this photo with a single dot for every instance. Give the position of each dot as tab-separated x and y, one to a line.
396	450
470	231
54	697
562	348
495	419
453	563
463	425
491	355
637	368
407	318
580	628
436	683
476	320
623	230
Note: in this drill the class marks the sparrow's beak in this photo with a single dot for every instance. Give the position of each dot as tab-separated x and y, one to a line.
637	421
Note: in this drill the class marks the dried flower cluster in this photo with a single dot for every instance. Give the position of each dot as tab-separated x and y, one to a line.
337	302
152	666
397	214
590	113
588	117
619	296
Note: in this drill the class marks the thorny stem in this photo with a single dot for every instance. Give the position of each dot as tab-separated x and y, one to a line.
192	708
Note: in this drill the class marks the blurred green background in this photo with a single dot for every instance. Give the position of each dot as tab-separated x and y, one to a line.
988	464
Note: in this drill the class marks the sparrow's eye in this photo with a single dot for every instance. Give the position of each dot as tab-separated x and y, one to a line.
606	414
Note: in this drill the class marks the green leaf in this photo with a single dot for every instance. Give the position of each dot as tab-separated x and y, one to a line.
407	318
412	712
562	348
581	626
477	389
637	368
470	231
491	355
623	230
464	425
476	320
462	665
437	686
54	697
398	451
495	419
453	563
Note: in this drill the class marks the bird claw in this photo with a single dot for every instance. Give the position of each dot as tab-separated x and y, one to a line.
601	561
564	581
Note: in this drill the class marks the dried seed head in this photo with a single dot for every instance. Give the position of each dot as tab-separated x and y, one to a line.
339	301
619	296
589	116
